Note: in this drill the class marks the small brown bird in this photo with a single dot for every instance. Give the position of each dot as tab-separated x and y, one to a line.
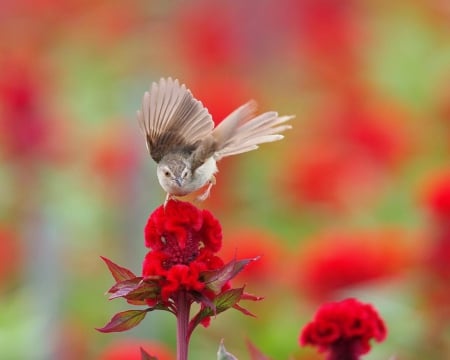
183	141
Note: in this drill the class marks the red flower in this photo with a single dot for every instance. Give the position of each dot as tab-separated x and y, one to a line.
339	260
181	268
436	199
436	196
353	148
183	240
255	243
24	122
208	35
11	256
344	329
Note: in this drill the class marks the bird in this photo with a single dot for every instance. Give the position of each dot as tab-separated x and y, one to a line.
186	145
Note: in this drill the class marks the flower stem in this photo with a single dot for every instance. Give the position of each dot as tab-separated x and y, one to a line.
183	306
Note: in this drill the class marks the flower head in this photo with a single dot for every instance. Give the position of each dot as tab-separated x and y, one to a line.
436	196
344	329
337	260
181	268
183	241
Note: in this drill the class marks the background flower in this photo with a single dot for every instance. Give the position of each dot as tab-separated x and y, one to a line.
344	329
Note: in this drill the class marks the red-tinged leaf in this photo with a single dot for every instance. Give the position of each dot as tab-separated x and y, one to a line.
137	302
204	300
255	353
247	296
124	320
146	356
221	302
146	290
243	310
122	288
118	272
135	289
223	354
216	279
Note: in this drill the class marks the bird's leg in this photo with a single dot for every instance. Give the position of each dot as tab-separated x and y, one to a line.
168	197
205	195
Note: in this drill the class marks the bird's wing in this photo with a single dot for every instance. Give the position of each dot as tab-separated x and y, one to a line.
172	119
241	131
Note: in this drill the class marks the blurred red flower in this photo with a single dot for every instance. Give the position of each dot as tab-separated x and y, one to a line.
251	243
207	35
329	35
334	261
344	329
354	147
112	157
436	196
130	349
11	255
26	126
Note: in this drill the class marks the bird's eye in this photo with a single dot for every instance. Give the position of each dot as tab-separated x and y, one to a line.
185	174
167	173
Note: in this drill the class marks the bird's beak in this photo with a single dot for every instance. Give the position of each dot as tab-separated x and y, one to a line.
179	181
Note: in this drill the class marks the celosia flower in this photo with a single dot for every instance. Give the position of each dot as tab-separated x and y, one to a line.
181	268
436	199
436	196
337	260
354	147
183	240
344	329
24	122
251	243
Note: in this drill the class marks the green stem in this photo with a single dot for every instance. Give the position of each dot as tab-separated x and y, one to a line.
183	306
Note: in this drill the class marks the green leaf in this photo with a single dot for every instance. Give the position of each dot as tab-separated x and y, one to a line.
227	299
216	279
124	320
118	272
223	354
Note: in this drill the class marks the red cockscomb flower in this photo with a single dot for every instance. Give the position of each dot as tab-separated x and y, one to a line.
436	196
354	147
335	261
251	243
436	200
344	329
181	268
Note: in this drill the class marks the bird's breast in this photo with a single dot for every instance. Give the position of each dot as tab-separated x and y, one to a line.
205	172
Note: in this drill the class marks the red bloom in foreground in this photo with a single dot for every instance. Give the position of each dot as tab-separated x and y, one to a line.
344	329
183	240
181	268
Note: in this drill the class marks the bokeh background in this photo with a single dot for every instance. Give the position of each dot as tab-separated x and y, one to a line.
354	202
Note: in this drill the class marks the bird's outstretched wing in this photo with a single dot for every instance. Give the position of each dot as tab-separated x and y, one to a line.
241	131
172	119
